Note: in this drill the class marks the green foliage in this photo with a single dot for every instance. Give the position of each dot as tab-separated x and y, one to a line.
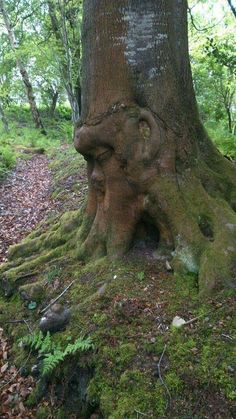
224	141
141	276
52	353
7	159
52	274
213	56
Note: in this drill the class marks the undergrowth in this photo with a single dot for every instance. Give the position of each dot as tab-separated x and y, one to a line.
53	354
7	159
22	135
224	141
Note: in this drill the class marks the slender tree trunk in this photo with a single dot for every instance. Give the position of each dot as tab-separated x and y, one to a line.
229	120
151	165
24	74
61	35
55	96
233	9
4	119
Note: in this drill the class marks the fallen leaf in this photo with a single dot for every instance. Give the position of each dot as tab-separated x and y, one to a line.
4	368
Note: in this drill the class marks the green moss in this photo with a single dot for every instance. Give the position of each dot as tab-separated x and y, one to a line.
34	291
125	359
43	412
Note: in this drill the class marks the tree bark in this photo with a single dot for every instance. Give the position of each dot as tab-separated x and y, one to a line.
151	165
55	95
233	10
60	32
24	74
4	119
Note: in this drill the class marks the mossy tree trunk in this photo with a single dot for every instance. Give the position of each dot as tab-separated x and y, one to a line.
150	160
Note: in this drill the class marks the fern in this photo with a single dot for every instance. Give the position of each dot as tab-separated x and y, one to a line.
79	345
39	342
53	354
46	345
34	341
52	360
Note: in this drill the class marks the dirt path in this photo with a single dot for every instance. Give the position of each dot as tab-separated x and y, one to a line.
24	201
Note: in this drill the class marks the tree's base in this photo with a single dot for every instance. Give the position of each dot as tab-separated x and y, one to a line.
142	185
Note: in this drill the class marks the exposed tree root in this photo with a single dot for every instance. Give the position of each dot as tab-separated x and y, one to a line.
140	184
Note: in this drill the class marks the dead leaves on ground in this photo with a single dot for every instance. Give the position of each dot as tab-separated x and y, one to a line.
14	389
24	201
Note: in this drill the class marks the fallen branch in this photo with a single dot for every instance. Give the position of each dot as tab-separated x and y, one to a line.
56	299
139	414
161	379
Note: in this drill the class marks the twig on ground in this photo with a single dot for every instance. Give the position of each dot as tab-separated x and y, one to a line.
56	299
139	414
161	379
28	326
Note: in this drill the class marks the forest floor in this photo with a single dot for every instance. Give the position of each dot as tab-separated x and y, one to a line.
25	200
141	367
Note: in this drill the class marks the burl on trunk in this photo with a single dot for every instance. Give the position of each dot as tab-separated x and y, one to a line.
150	161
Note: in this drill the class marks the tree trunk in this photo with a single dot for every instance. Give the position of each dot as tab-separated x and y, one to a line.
233	9
60	32
55	96
4	119
229	120
151	165
24	74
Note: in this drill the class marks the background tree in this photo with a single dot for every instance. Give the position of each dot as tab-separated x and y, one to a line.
213	58
151	164
65	18
21	66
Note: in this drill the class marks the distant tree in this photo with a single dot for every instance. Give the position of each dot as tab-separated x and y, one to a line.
213	56
233	9
65	25
21	66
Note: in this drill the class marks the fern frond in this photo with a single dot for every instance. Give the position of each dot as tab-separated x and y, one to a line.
51	361
79	345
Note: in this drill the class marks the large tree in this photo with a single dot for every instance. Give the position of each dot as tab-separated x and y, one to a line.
151	165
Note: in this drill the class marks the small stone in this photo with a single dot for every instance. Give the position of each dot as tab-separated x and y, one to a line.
101	290
24	372
153	340
168	266
55	319
35	370
178	321
231	369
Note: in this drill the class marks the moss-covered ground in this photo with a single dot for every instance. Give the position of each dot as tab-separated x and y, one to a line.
140	366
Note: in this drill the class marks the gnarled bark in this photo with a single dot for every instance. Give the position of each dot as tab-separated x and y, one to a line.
150	161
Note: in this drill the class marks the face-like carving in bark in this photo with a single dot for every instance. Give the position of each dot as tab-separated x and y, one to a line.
121	152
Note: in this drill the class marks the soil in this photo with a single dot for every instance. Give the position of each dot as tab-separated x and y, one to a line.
25	201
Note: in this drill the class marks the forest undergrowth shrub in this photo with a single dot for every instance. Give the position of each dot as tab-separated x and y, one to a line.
53	354
224	141
7	159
